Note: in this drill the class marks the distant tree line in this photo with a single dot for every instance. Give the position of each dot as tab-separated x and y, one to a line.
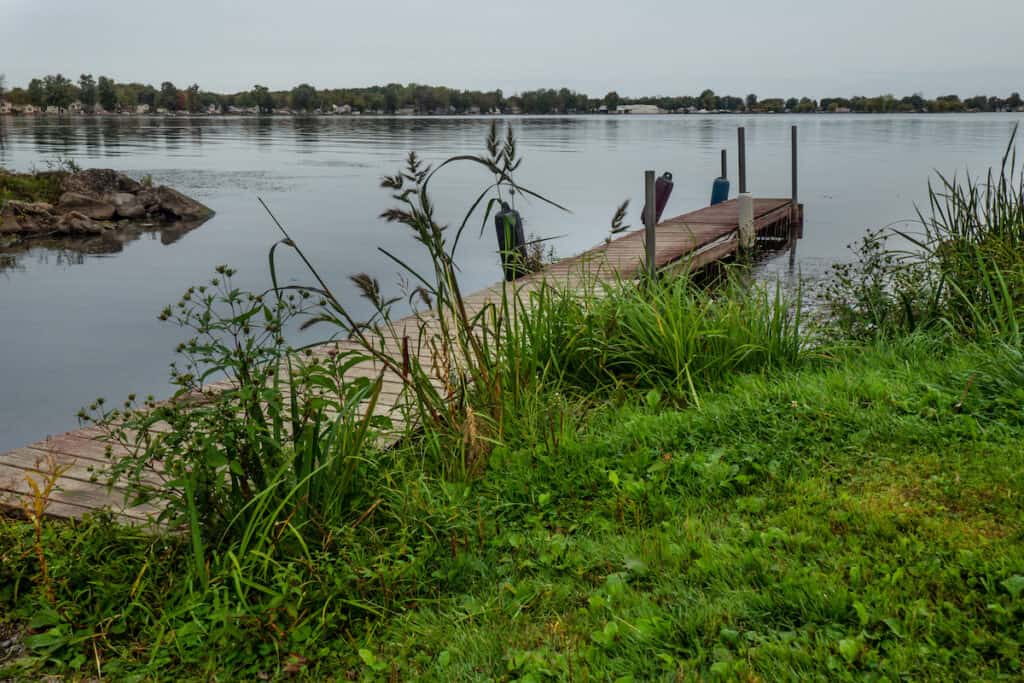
104	93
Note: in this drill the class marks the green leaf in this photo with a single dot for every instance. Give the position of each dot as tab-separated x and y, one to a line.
849	648
862	613
443	658
369	659
44	618
48	640
721	668
1014	585
653	398
636	566
216	459
894	626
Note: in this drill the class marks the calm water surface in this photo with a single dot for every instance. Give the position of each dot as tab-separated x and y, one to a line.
75	327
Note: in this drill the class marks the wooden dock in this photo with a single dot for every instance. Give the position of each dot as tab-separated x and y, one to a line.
698	239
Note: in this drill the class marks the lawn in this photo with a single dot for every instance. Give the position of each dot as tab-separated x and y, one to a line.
858	518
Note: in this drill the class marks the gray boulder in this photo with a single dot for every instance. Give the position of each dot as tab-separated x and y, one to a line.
173	204
127	205
26	217
99	181
75	223
87	205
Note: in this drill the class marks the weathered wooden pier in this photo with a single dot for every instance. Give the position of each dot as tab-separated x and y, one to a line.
693	240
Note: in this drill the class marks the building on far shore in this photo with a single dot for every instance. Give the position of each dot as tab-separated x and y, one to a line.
640	109
6	107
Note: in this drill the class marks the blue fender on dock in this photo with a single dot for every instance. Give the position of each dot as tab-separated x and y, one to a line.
719	191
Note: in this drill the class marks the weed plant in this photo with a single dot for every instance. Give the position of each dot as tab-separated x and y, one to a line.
258	439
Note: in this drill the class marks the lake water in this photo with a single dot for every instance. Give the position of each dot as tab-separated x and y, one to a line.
74	327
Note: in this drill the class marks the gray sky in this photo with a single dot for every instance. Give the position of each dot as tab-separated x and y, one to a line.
639	47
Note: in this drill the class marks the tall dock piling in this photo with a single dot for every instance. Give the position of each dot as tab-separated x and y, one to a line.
649	221
741	141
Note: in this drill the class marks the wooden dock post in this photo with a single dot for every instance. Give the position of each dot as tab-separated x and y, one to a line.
745	204
792	138
741	139
649	220
796	227
725	167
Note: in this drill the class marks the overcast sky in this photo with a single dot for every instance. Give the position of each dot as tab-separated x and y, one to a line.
638	47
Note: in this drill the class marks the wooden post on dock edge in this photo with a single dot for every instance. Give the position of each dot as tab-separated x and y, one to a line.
796	229
796	218
745	205
649	221
792	138
742	156
725	167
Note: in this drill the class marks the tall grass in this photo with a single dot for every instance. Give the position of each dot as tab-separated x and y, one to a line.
976	212
964	271
974	233
669	334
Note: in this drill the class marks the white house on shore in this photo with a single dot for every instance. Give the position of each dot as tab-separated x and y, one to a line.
6	107
142	109
640	109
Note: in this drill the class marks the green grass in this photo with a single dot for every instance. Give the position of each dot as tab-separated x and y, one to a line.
857	518
30	187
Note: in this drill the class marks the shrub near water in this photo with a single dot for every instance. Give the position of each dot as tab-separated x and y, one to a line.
964	269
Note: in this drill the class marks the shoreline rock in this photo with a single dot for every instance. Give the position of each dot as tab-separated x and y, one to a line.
96	201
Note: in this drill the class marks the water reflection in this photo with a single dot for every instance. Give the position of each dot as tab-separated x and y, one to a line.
72	251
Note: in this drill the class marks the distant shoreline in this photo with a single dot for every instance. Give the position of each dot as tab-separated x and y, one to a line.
378	115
